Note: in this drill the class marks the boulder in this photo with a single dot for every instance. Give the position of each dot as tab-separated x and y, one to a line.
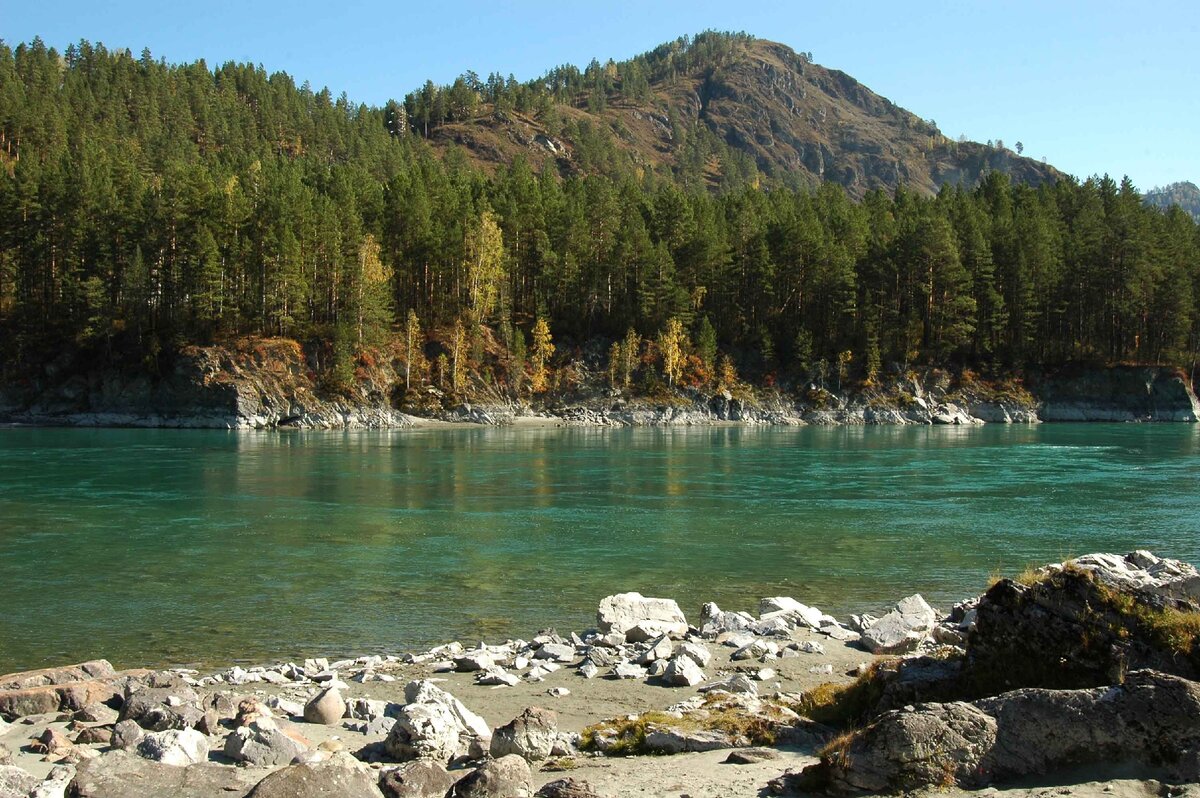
660	648
673	740
178	747
119	774
95	735
162	708
68	697
435	725
1143	572
474	660
684	672
55	784
556	652
532	735
263	743
420	779
83	672
1150	725
714	620
901	630
16	782
623	612
126	735
341	776
506	777
800	613
627	670
326	708
567	788
696	652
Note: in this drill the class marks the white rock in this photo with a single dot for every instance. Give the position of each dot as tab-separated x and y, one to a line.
812	647
765	674
558	652
588	670
696	652
683	671
627	670
179	747
660	648
558	692
809	616
497	676
622	612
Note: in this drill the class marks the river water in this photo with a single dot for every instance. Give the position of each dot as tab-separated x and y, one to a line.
155	547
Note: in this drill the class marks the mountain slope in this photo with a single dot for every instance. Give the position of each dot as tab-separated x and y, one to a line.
762	103
1185	195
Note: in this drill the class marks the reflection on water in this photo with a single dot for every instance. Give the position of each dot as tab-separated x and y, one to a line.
183	546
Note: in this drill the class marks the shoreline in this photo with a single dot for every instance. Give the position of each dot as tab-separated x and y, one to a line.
647	678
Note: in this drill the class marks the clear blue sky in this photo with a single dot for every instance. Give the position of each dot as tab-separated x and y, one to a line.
1095	86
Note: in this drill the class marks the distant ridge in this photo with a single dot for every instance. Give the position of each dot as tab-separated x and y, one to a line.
1184	194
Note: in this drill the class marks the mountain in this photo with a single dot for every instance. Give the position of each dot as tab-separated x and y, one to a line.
745	99
1185	195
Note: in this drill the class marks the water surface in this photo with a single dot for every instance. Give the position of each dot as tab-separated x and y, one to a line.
175	547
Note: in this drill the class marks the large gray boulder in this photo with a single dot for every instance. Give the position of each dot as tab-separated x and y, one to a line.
422	778
903	629
506	777
433	724
119	774
1150	725
625	612
162	708
342	776
532	735
264	743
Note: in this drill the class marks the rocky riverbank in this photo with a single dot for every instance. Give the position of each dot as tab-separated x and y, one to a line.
1078	673
273	383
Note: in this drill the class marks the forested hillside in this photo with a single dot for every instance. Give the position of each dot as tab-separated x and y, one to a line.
144	206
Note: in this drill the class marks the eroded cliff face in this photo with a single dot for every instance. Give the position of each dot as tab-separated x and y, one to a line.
1119	393
266	383
251	384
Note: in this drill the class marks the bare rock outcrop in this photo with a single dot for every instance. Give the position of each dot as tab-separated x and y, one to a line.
1150	722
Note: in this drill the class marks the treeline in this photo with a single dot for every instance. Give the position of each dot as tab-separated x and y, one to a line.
145	206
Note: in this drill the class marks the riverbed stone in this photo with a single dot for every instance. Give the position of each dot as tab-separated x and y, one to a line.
42	677
325	708
422	778
567	788
623	612
1152	720
263	742
532	735
178	747
161	708
120	774
126	735
506	777
341	776
435	725
901	630
68	697
682	671
16	782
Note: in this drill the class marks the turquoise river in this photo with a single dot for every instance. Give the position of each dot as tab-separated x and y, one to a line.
153	547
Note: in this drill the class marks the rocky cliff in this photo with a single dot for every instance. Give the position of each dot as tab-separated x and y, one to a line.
265	383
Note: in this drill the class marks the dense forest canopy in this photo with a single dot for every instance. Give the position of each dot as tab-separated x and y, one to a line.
144	206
